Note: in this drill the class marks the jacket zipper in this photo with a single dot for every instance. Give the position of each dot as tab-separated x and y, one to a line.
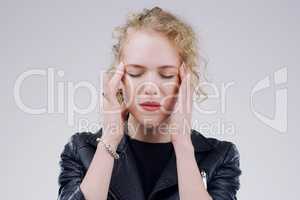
113	195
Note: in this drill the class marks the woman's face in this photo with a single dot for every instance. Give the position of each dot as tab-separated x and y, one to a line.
151	74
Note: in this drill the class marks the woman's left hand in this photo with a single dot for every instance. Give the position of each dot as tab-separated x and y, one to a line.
180	119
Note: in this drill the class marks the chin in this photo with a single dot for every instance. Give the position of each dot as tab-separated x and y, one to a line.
149	121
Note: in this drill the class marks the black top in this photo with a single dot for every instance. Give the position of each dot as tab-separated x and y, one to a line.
151	159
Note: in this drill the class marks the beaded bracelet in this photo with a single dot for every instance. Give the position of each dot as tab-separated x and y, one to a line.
108	147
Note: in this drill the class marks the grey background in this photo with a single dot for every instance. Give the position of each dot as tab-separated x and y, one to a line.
244	41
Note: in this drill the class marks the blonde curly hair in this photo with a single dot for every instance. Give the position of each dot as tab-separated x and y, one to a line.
179	33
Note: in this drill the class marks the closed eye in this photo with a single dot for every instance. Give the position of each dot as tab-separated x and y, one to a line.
134	75
140	74
164	76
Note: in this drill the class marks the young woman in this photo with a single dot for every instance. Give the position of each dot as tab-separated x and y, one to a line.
146	148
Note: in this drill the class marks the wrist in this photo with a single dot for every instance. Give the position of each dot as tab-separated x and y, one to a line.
183	147
108	147
112	139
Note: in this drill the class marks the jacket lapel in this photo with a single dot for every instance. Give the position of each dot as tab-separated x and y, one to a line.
125	178
169	177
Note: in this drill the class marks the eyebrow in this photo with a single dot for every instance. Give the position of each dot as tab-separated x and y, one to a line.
142	67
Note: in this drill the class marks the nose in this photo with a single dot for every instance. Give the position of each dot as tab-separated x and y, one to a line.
150	88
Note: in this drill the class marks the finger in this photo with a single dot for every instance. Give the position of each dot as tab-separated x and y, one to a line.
104	93
115	80
105	86
188	92
183	76
124	110
185	90
181	89
182	72
104	80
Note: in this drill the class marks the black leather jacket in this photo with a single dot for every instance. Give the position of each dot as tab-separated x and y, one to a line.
219	159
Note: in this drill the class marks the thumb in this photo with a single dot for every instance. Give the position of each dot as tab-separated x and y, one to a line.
124	112
124	108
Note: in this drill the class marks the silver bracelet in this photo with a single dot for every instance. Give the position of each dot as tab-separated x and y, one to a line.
109	148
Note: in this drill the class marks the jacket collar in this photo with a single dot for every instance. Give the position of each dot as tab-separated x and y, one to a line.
126	172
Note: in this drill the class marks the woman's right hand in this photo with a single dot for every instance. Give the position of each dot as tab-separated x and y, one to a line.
114	113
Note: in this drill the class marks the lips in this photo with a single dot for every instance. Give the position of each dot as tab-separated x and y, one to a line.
150	105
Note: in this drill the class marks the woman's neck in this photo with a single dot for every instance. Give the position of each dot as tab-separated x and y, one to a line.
137	131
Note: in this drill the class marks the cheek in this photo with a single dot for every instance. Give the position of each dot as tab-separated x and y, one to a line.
170	87
130	86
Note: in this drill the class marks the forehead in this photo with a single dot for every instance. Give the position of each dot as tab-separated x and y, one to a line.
149	49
